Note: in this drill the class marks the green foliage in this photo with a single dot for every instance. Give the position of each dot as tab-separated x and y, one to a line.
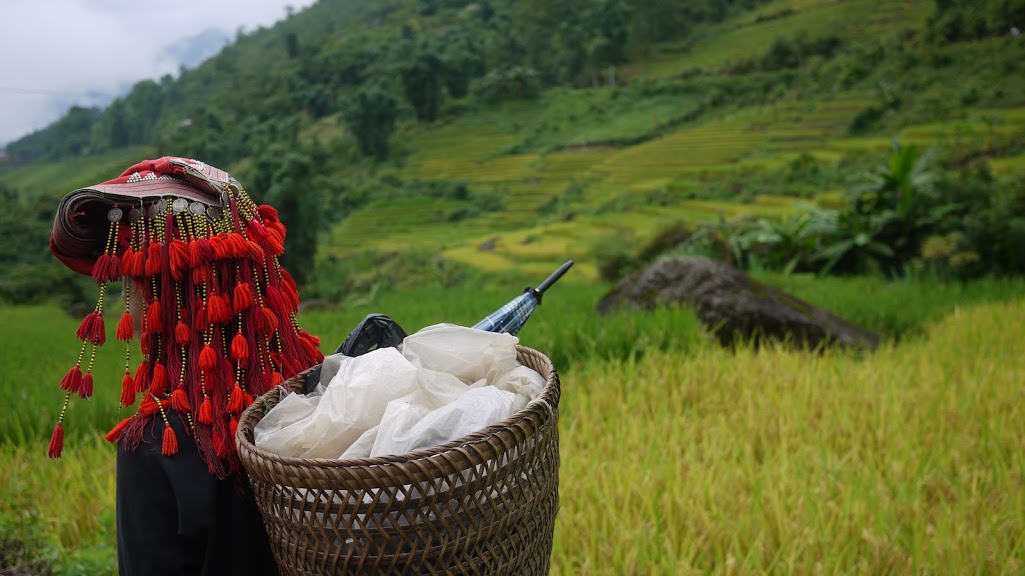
422	80
24	548
514	83
959	20
295	189
370	116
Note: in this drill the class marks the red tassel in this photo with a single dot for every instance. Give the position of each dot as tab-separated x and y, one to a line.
145	342
267	212
235	245
233	427
101	268
276	378
236	401
201	323
218	246
206	412
148	406
255	252
182	334
127	390
311	350
276	228
217	310
207	358
57	442
289	290
153	259
158	383
86	390
170	443
275	300
128	260
239	348
275	242
180	401
115	433
154	317
201	274
271	319
114	268
243	297
179	255
92	329
142	378
72	381
247	398
137	267
315	340
125	330
195	255
256	231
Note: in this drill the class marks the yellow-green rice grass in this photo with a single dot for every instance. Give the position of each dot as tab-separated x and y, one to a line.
735	41
907	461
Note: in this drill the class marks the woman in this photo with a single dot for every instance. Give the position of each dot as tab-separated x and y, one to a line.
214	315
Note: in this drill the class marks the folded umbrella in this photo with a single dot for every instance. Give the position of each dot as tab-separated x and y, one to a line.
511	317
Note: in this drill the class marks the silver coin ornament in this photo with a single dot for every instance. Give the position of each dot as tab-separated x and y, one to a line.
115	214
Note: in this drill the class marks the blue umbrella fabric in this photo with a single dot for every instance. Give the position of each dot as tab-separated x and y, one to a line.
511	317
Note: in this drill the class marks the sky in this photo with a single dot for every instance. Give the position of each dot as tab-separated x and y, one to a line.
56	53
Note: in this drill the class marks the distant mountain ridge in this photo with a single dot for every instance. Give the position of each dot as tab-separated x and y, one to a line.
191	51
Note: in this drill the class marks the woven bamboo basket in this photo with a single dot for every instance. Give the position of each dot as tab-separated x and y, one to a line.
482	504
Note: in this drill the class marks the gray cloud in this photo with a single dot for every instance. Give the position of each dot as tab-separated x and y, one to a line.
56	53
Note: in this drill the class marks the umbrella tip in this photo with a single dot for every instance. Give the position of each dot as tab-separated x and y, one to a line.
555	276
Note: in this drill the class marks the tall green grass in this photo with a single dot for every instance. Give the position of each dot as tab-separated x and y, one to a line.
677	456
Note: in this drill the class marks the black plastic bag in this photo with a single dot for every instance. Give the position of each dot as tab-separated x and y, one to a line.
373	332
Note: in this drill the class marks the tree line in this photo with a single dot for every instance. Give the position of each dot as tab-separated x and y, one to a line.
373	63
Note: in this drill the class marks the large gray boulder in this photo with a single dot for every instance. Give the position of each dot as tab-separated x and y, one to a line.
734	306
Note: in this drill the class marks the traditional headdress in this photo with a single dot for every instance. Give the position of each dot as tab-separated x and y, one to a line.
219	322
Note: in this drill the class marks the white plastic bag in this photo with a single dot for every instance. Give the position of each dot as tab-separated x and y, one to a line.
442	383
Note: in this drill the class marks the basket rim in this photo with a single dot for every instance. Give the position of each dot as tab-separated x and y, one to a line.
545	408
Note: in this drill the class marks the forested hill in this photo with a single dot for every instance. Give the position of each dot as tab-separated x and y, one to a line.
511	135
413	55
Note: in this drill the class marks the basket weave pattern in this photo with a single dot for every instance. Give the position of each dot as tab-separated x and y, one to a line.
481	504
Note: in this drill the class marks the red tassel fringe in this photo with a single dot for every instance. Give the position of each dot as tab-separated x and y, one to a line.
236	401
92	329
158	383
180	401
56	442
179	254
115	433
141	378
206	412
125	329
243	297
207	358
239	348
127	390
154	318
86	390
182	333
72	381
169	446
217	310
153	259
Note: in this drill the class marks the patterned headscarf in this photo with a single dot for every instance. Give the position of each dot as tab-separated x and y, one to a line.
219	322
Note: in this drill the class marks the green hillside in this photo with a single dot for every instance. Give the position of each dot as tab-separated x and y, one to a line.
513	161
